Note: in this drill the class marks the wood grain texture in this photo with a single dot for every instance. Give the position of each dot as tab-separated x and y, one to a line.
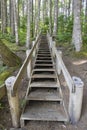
46	111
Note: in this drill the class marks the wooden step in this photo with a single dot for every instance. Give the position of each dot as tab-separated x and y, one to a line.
44	76
44	70
43	62
46	52
45	84
43	55
42	52
44	95
18	129
44	65
44	111
44	58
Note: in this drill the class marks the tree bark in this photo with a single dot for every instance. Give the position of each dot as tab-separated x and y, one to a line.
16	21
28	24
8	57
12	19
77	36
55	18
37	18
86	13
50	16
4	16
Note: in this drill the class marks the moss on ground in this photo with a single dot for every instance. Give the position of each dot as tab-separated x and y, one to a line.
10	45
6	73
70	50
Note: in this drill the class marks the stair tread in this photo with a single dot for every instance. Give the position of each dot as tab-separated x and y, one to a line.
46	111
43	76
45	84
44	64
44	60
44	70
45	95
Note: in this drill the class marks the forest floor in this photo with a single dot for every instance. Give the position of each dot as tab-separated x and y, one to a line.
76	67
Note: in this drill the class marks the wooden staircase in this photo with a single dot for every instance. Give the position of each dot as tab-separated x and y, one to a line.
44	100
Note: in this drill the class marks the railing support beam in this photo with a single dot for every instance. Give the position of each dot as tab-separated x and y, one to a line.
13	102
29	64
75	101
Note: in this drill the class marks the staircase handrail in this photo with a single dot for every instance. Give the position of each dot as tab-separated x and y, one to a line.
62	66
23	68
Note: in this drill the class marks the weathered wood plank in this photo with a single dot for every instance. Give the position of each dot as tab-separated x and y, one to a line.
45	84
2	91
43	76
46	111
44	95
18	129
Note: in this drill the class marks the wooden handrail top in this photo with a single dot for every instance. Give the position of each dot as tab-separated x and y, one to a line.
23	69
66	74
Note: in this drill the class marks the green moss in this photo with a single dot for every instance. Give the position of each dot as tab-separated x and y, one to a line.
82	53
69	49
11	46
5	74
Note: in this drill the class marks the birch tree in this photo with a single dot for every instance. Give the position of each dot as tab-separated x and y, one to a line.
12	27
37	18
55	17
15	21
77	36
28	24
50	16
4	16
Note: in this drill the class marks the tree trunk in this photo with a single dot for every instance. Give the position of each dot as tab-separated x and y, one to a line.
50	16
55	18
86	13
32	20
28	24
4	16
0	13
8	57
69	8
12	19
15	21
37	18
77	36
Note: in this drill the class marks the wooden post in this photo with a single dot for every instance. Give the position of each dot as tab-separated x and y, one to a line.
75	102
34	49
50	39
13	102
53	48
29	65
58	63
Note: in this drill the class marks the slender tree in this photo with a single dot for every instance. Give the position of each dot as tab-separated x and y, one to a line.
55	18
16	21
28	23
4	16
86	13
37	18
50	16
12	25
77	36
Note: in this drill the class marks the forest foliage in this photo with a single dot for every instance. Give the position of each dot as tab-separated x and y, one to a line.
21	21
